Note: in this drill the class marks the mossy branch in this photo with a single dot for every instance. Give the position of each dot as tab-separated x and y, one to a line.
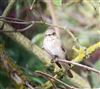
85	52
12	71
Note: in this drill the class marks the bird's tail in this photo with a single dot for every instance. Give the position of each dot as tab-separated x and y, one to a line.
67	70
69	73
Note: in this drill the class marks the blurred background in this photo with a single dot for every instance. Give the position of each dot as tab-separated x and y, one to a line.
81	17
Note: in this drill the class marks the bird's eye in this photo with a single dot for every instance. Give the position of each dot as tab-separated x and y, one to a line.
49	34
53	33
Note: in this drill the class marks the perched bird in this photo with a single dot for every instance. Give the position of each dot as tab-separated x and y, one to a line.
53	46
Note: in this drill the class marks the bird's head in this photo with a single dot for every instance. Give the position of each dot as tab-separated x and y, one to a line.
50	32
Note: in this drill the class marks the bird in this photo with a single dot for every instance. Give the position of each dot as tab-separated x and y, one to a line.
53	46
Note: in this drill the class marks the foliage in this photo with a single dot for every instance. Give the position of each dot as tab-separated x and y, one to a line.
78	21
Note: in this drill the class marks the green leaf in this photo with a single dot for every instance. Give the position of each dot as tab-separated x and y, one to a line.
57	2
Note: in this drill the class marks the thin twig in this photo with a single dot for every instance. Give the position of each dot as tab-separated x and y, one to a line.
53	16
11	18
20	21
31	7
47	75
80	65
24	29
52	83
8	8
16	22
20	30
73	37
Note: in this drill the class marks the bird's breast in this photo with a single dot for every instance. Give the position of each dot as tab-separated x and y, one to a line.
54	47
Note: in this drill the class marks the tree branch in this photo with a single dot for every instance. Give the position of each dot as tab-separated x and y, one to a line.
79	65
47	75
8	8
12	70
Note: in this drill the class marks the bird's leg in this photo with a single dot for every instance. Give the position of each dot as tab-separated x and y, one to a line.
55	61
